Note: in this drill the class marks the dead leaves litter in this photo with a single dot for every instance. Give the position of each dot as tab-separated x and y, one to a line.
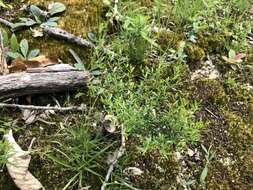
19	65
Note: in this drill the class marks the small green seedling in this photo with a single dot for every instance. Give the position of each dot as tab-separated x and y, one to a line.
18	50
209	155
41	17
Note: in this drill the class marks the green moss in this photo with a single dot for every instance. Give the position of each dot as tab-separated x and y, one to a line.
169	39
211	91
213	43
194	53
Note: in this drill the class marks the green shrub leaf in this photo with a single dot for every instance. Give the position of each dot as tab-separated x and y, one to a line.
37	13
14	43
56	8
24	47
5	38
14	55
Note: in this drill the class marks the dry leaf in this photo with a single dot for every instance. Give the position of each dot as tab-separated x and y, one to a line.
19	65
237	59
31	116
17	166
45	60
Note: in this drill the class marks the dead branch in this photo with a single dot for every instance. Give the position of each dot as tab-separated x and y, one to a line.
48	81
118	154
32	107
62	34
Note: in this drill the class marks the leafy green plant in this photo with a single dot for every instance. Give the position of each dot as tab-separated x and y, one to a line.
81	153
137	33
209	156
41	17
3	153
18	50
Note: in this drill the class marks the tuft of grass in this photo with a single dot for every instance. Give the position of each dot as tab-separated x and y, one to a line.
82	153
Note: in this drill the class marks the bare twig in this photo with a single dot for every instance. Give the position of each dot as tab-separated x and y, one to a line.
31	107
3	63
211	113
118	154
6	23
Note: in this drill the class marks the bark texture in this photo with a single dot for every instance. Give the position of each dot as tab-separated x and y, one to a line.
27	83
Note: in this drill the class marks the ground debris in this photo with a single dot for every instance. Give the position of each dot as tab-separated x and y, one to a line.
18	164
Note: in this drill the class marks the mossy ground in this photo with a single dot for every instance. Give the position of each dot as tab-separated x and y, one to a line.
146	97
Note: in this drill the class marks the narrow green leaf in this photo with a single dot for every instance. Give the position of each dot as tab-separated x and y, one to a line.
76	57
5	38
53	19
204	174
24	47
14	43
49	24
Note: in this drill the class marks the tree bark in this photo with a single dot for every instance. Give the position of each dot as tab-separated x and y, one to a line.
44	81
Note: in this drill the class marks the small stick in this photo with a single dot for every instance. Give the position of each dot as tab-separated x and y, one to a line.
3	63
116	157
6	23
31	107
211	113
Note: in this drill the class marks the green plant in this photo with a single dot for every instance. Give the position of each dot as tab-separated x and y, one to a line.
209	156
41	17
137	36
81	153
3	153
16	49
20	50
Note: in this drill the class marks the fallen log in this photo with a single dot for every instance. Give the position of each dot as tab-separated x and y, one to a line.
39	81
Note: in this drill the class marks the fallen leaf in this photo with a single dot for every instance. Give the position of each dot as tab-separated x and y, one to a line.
19	65
29	116
17	166
238	58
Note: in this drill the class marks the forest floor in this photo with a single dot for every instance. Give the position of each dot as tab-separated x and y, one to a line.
180	83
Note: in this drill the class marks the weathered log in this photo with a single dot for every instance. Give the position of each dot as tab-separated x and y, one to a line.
47	81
